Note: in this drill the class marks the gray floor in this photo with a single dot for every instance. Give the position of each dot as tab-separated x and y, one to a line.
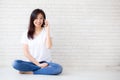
10	74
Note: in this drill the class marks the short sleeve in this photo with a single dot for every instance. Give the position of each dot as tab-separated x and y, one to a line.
24	39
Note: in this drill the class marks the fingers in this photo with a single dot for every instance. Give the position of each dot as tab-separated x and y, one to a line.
46	23
43	65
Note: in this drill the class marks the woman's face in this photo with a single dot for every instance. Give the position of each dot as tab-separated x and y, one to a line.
39	20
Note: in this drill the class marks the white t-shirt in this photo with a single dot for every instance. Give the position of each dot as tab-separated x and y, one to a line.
37	47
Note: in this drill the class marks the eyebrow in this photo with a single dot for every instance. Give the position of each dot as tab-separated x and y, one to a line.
39	17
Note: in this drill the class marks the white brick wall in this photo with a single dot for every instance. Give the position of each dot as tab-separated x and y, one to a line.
86	32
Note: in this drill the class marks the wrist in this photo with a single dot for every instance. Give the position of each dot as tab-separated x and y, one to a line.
47	30
48	33
39	65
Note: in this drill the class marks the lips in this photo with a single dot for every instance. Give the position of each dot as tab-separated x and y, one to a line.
38	23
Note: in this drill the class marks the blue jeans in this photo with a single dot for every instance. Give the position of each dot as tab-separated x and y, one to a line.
51	69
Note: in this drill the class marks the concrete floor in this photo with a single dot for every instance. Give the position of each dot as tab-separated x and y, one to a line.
11	74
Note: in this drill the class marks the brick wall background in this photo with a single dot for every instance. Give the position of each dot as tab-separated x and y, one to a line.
86	32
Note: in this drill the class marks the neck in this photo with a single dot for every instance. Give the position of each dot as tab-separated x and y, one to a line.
38	29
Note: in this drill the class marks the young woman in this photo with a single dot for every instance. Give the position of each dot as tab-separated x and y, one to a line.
36	46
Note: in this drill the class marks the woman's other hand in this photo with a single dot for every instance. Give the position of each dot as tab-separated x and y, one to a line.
43	65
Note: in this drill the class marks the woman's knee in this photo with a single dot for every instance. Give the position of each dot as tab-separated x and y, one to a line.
16	64
57	69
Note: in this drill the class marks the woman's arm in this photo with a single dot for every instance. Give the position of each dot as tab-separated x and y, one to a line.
33	60
48	37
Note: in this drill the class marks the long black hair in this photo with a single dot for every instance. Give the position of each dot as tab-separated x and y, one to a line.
31	27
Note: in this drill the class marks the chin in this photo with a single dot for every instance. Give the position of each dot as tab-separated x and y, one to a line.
38	26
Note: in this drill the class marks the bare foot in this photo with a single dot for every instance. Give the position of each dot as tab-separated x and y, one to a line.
28	72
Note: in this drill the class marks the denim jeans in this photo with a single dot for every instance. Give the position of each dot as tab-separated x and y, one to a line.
51	69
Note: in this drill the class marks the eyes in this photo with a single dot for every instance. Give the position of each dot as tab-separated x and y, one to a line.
40	18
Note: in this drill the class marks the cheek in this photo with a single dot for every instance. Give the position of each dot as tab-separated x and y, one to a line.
41	21
34	22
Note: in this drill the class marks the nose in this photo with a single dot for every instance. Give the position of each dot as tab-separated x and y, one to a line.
38	20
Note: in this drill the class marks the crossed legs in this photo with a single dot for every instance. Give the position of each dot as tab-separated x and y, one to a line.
30	68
